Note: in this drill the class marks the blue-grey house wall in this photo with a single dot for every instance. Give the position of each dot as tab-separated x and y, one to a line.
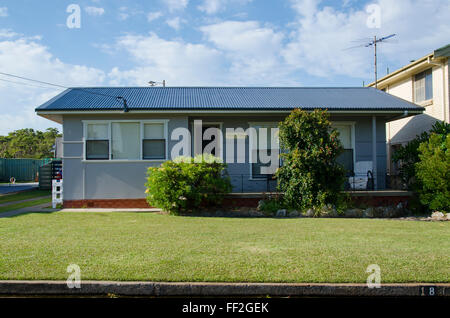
125	180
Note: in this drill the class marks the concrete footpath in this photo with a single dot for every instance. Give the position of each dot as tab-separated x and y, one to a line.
161	289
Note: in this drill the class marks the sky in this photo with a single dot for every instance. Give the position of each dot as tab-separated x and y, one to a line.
203	43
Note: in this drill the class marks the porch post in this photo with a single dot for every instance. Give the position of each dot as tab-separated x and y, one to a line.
374	152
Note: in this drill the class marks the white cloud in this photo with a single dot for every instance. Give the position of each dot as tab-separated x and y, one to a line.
175	23
320	35
252	50
175	5
214	6
95	11
3	12
19	101
153	16
7	33
177	62
211	6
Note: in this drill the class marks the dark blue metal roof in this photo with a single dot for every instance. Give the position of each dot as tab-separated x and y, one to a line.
226	98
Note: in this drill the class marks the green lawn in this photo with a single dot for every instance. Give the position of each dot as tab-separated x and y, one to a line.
144	246
5	198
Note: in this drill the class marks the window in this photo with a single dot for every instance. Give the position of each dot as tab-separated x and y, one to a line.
255	147
97	142
125	140
154	142
423	86
346	158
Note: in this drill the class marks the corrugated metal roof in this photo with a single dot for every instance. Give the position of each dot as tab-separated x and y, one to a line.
226	98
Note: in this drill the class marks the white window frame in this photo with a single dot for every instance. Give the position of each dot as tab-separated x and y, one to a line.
141	123
264	124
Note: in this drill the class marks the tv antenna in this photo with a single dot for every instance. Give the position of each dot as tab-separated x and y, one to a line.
153	83
374	44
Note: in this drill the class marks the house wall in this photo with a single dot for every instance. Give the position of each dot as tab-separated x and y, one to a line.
85	180
403	130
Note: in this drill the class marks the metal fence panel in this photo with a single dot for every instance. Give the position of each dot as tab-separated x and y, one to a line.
21	169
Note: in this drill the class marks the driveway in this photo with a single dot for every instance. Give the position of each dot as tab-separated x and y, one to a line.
9	188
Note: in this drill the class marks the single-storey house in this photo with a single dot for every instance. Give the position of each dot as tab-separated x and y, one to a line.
113	134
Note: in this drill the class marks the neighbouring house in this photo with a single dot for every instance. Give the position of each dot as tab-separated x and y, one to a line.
424	82
113	134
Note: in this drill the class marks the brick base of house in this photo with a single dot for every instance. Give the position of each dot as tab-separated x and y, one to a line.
242	200
107	203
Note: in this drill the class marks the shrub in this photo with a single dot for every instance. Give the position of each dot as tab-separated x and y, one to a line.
310	176
408	155
186	183
433	172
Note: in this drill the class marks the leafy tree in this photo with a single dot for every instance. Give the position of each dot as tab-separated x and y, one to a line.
433	172
408	155
28	143
310	176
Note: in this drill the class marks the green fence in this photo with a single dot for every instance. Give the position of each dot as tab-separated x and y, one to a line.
21	169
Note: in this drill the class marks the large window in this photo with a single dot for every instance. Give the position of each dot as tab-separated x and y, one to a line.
126	140
259	148
423	86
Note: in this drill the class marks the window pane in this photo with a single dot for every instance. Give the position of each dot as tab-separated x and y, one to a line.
97	149
97	131
345	135
154	131
125	140
423	86
154	148
429	85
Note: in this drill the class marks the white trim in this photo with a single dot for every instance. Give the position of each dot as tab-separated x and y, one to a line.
141	122
73	142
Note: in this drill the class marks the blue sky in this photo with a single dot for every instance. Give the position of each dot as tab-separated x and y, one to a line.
204	42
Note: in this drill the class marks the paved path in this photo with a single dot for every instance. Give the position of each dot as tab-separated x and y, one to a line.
10	188
21	201
31	209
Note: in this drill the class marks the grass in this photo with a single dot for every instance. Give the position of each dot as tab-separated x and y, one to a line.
16	206
5	198
144	246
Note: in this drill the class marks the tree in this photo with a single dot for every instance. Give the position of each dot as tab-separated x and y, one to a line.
310	176
433	172
408	155
28	143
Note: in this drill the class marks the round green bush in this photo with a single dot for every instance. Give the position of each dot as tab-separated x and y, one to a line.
185	183
433	172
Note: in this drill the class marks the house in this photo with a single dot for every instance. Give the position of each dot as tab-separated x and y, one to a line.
424	82
113	134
